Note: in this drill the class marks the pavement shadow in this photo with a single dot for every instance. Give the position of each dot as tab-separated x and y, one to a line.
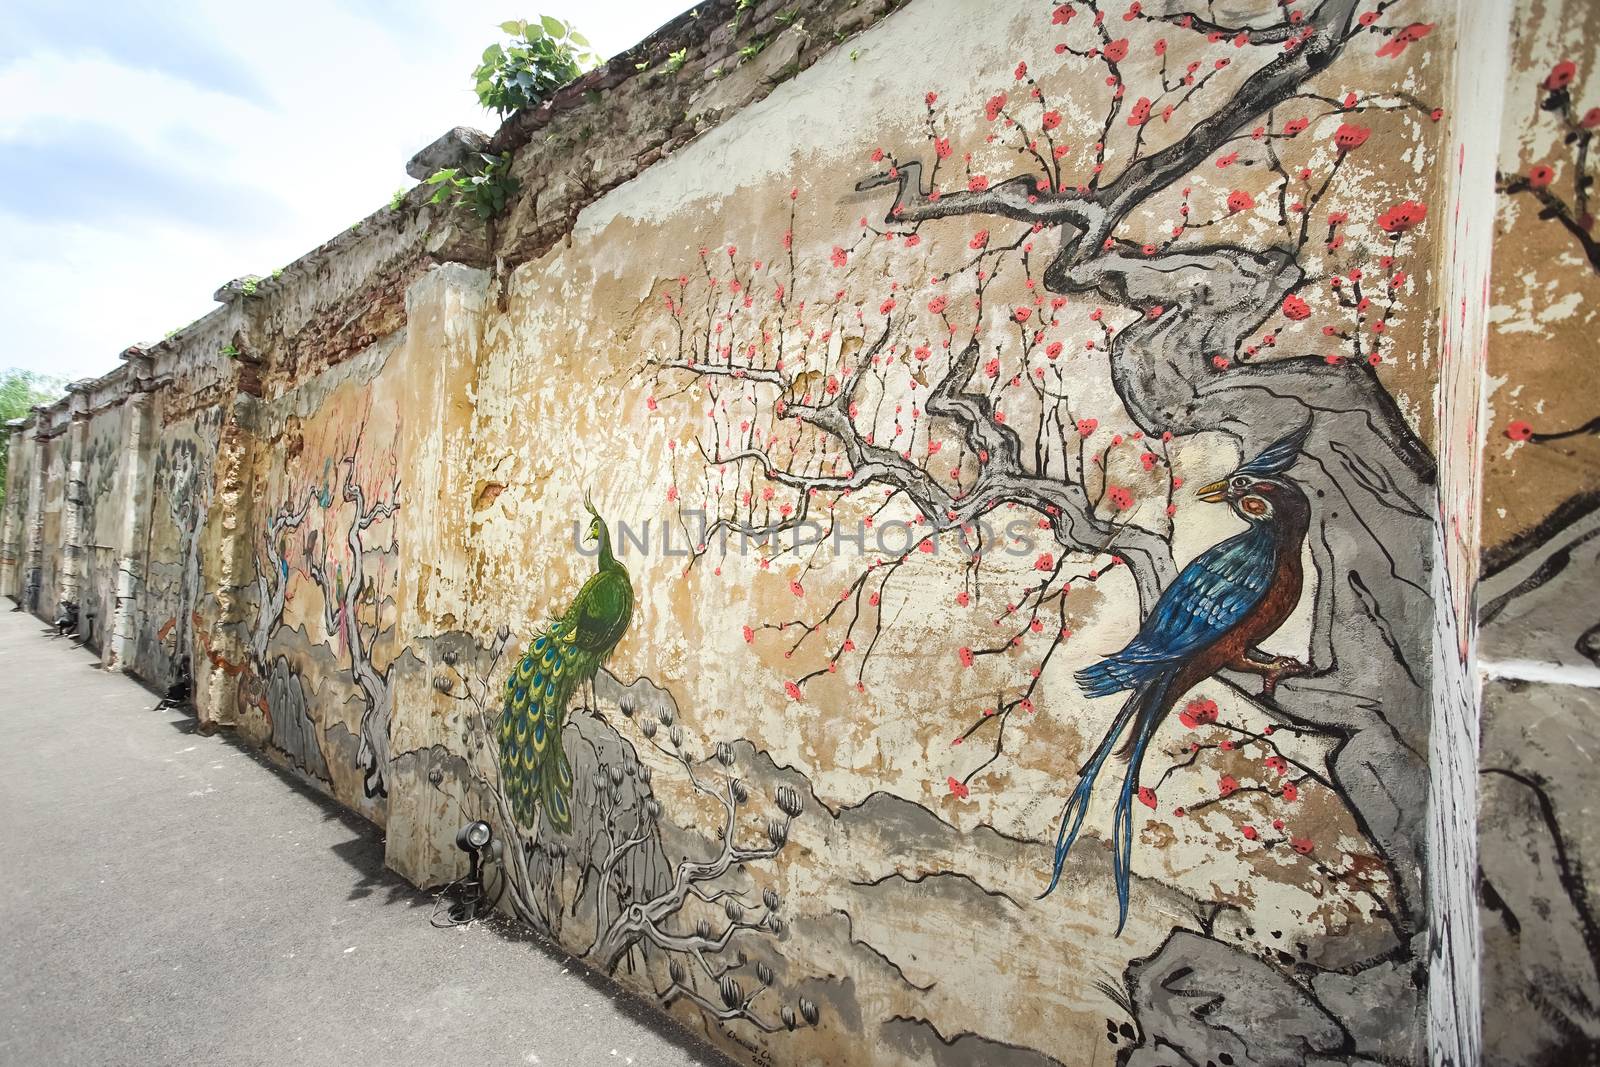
363	853
629	1002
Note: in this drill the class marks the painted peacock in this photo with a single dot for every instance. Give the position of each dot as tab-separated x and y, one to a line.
533	765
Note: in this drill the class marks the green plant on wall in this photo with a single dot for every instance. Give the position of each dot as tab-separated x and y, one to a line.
543	55
484	193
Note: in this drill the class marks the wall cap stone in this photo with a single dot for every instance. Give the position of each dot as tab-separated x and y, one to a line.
450	149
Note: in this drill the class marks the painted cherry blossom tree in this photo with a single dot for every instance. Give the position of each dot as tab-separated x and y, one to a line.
333	527
1243	306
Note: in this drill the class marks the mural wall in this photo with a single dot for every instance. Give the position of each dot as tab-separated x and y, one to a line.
18	568
314	687
52	459
1103	306
183	488
1538	595
101	526
962	562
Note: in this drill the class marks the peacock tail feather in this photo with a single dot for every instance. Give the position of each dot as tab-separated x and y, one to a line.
534	771
533	763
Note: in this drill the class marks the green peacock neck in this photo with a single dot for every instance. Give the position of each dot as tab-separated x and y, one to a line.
607	562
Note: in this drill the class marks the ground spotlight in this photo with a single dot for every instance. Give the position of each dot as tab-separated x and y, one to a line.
473	836
473	839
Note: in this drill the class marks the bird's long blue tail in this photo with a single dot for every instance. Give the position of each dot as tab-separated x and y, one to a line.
1143	707
1122	821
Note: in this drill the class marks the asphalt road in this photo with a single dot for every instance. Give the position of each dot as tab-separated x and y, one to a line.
168	898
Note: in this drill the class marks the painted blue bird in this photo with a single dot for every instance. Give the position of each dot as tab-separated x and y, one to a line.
1212	617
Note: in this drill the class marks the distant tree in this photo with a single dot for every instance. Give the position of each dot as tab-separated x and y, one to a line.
20	390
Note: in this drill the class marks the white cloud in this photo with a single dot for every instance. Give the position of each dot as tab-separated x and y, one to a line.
158	155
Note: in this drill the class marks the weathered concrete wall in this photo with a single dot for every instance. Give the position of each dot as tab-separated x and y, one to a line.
983	323
1541	585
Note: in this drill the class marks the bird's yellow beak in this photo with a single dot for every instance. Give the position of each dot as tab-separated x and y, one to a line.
1215	493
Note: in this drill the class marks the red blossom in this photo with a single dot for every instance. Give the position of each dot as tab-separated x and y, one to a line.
938	304
941	147
1200	712
1021	314
1591	118
977	183
840	257
1561	75
1117	50
979	239
993	107
793	691
963	598
1291	792
1400	38
957	788
1301	845
1062	15
965	655
1120	498
749	636
1349	136
1228	160
1541	176
1021	71
1140	113
1296	126
1249	833
1087	426
1045	562
1239	200
796	588
1401	217
1228	785
1519	431
1295	308
1147	796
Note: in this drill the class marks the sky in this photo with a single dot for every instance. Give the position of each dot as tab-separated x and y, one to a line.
155	150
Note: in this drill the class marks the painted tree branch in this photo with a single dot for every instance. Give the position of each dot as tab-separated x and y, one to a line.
272	580
374	684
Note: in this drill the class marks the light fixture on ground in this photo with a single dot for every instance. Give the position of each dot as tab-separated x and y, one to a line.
473	839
